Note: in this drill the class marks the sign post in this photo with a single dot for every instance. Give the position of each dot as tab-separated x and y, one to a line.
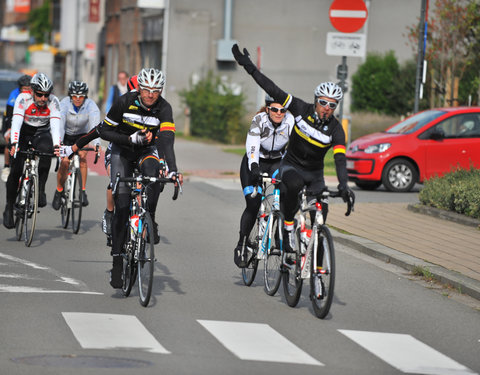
347	16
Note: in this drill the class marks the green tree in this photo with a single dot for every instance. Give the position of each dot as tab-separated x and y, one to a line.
215	111
39	23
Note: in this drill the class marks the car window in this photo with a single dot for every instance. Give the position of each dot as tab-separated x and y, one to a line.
6	87
415	122
466	125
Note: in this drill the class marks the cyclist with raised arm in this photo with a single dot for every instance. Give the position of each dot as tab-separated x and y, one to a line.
316	130
36	119
131	125
265	146
79	115
23	86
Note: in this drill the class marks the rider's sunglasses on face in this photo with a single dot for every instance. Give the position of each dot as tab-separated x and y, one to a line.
325	103
275	109
41	94
151	91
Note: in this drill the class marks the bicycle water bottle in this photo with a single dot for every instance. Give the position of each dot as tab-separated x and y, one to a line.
305	235
134	224
263	219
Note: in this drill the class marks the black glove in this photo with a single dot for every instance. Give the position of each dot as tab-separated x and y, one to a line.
255	171
347	195
243	59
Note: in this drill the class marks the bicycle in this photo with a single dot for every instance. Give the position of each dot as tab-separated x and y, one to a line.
314	256
265	241
26	205
71	201
139	254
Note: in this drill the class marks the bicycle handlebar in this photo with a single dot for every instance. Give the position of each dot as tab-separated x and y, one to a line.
264	179
329	193
145	180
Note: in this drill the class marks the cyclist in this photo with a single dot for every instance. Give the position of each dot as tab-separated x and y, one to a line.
80	115
265	146
23	86
316	130
131	126
36	119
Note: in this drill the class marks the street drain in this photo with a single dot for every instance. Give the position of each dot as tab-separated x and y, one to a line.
81	361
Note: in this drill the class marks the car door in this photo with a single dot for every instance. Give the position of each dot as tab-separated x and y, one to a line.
458	147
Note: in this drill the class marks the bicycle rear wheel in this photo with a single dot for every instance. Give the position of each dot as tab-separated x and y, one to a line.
77	202
322	279
146	259
64	210
273	260
31	209
250	271
292	280
19	212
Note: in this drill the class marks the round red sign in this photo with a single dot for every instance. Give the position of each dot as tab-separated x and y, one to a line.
348	16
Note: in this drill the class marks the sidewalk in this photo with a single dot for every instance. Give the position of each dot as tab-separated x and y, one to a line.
392	232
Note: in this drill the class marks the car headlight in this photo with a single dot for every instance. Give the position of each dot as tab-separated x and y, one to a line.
381	147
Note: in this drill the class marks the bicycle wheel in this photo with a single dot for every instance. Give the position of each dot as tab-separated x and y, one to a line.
146	260
77	202
64	209
19	212
249	272
322	279
129	265
31	209
273	260
292	278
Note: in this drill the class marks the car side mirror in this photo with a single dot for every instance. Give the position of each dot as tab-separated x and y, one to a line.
437	134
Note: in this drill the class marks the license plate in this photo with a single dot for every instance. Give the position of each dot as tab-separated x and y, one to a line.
350	164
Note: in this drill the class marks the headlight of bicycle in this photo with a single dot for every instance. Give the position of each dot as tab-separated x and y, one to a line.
381	147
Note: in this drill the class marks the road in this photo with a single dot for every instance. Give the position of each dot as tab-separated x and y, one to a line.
60	316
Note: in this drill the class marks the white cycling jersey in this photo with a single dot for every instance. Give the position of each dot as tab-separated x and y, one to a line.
81	120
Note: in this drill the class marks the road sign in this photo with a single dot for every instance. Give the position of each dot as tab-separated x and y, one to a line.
341	44
348	16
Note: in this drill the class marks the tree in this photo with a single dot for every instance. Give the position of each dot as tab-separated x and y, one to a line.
39	23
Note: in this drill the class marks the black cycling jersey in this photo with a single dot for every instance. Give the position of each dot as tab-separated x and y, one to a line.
310	139
127	116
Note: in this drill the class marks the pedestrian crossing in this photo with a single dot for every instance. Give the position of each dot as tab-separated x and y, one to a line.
260	342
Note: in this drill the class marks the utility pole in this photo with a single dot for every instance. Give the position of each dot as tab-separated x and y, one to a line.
421	55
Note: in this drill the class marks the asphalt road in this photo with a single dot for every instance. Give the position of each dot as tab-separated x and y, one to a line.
60	316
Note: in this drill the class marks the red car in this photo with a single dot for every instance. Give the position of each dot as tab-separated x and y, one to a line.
429	143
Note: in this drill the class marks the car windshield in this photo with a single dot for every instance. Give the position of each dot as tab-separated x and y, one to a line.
414	123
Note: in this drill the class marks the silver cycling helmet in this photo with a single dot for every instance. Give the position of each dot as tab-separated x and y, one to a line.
150	77
330	90
77	88
40	82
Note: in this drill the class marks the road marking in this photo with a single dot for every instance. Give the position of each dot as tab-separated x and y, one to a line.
406	353
31	289
111	331
257	342
23	261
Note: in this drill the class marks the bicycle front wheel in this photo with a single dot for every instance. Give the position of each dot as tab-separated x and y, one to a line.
273	260
129	265
250	271
31	209
77	202
146	259
19	212
292	278
322	276
64	209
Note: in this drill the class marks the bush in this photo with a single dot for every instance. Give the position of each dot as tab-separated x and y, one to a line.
456	191
215	111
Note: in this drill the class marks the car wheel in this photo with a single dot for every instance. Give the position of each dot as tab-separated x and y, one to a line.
368	185
399	175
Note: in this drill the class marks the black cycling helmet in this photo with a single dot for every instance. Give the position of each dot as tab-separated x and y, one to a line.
24	80
77	88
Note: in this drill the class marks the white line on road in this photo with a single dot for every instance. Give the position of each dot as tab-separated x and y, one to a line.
111	331
23	261
406	353
31	289
257	342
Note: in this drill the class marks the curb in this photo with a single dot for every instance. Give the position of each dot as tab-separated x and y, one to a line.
444	214
460	282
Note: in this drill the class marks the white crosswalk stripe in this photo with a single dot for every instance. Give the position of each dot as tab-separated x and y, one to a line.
111	331
406	353
257	342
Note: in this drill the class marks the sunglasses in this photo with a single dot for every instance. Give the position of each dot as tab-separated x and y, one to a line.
275	109
41	94
77	96
151	91
326	103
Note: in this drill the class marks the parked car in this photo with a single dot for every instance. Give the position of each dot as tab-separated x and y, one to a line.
8	82
429	143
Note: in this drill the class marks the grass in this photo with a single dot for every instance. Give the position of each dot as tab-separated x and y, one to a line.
423	272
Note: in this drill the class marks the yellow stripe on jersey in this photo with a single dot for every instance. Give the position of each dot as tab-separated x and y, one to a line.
310	140
286	101
167	126
138	126
109	123
133	107
339	149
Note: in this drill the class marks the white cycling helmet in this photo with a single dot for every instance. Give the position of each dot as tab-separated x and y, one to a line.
150	77
40	82
330	90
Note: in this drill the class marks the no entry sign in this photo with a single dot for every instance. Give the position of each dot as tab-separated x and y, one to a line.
348	16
